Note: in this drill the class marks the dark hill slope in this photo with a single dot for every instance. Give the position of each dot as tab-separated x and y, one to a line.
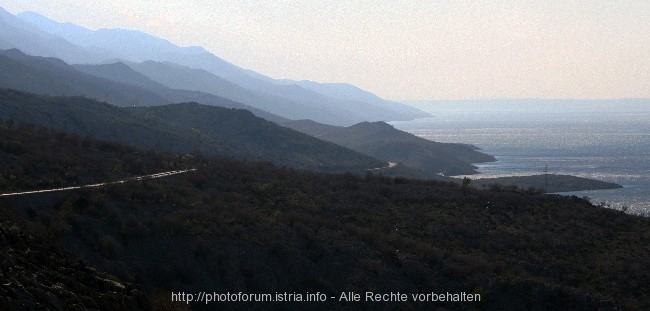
383	141
36	158
183	128
255	228
92	118
261	137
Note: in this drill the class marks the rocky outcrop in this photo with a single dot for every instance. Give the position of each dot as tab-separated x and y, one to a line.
34	276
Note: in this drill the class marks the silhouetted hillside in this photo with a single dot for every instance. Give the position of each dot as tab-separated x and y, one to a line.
383	141
183	128
265	139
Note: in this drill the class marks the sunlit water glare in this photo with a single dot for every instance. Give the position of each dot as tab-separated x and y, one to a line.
604	140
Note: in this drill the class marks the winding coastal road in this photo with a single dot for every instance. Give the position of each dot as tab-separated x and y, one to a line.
390	165
151	176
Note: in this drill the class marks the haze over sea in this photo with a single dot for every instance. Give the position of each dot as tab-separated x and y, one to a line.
607	140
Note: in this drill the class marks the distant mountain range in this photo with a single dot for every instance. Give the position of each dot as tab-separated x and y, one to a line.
115	83
196	70
132	69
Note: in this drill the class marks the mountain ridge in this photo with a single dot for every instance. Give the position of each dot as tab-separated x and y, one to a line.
17	33
52	76
46	75
111	44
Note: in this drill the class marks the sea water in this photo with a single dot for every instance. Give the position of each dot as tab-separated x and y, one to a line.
607	140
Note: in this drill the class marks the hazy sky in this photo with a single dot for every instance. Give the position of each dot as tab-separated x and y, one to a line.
404	49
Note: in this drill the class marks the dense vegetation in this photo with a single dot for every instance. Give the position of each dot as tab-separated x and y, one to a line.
257	228
40	158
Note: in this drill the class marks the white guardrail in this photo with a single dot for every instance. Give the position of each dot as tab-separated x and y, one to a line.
151	176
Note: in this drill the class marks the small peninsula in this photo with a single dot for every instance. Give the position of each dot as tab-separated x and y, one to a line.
554	183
